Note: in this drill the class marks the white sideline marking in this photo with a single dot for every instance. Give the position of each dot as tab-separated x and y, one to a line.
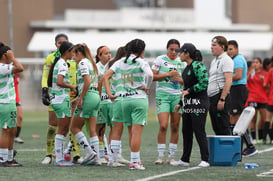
270	172
168	173
266	150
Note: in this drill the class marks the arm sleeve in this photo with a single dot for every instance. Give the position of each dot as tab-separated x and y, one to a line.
6	69
201	74
228	65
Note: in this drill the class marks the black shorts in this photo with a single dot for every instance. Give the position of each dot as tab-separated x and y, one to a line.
238	96
257	105
269	108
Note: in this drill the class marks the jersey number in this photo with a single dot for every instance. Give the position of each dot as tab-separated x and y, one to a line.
128	78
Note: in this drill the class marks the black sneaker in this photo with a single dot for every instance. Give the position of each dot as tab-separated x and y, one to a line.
249	152
14	163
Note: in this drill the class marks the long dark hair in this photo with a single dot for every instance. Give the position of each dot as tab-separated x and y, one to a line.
86	53
121	52
135	46
50	74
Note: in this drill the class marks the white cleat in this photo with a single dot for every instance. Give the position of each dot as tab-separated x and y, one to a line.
18	140
115	164
137	166
180	163
204	164
47	160
159	161
123	161
103	160
170	160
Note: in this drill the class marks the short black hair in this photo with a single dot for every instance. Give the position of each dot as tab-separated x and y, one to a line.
234	43
173	41
59	36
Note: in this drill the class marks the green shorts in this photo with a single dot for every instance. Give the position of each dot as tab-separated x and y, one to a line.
117	111
135	111
91	104
105	114
63	109
167	103
8	115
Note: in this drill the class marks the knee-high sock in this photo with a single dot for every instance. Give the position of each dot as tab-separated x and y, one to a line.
59	147
94	143
75	145
51	133
83	143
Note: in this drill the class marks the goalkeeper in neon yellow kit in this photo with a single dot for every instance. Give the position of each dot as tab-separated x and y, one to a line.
52	124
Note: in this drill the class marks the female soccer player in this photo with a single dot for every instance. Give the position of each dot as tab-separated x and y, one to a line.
195	77
257	96
88	103
167	71
131	89
105	111
58	82
8	66
52	119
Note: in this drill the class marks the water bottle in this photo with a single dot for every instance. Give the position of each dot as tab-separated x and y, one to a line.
251	165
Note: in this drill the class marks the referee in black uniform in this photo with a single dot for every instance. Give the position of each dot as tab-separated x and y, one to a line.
195	104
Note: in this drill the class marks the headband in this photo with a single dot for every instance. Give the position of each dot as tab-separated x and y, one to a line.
103	48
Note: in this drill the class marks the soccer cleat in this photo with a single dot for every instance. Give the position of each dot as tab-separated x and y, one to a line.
204	164
63	163
123	161
180	163
159	161
103	160
249	152
170	160
47	160
77	160
115	164
18	140
136	166
89	158
67	157
260	141
14	163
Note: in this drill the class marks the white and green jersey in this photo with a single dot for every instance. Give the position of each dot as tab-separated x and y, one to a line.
57	93
85	68
7	90
104	96
129	77
164	64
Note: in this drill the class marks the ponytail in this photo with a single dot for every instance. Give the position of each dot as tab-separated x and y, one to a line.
50	75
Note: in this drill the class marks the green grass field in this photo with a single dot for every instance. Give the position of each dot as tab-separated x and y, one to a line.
31	153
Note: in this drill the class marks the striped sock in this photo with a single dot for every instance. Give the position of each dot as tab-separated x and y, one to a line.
161	149
59	147
172	149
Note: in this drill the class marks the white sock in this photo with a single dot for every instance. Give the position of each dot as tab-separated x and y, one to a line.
10	155
161	149
4	155
135	157
172	149
115	147
59	147
120	151
83	143
106	148
110	154
101	149
68	149
94	143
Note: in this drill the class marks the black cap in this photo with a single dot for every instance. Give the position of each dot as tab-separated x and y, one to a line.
65	46
187	47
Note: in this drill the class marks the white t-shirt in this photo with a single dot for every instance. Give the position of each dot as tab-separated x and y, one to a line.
218	67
